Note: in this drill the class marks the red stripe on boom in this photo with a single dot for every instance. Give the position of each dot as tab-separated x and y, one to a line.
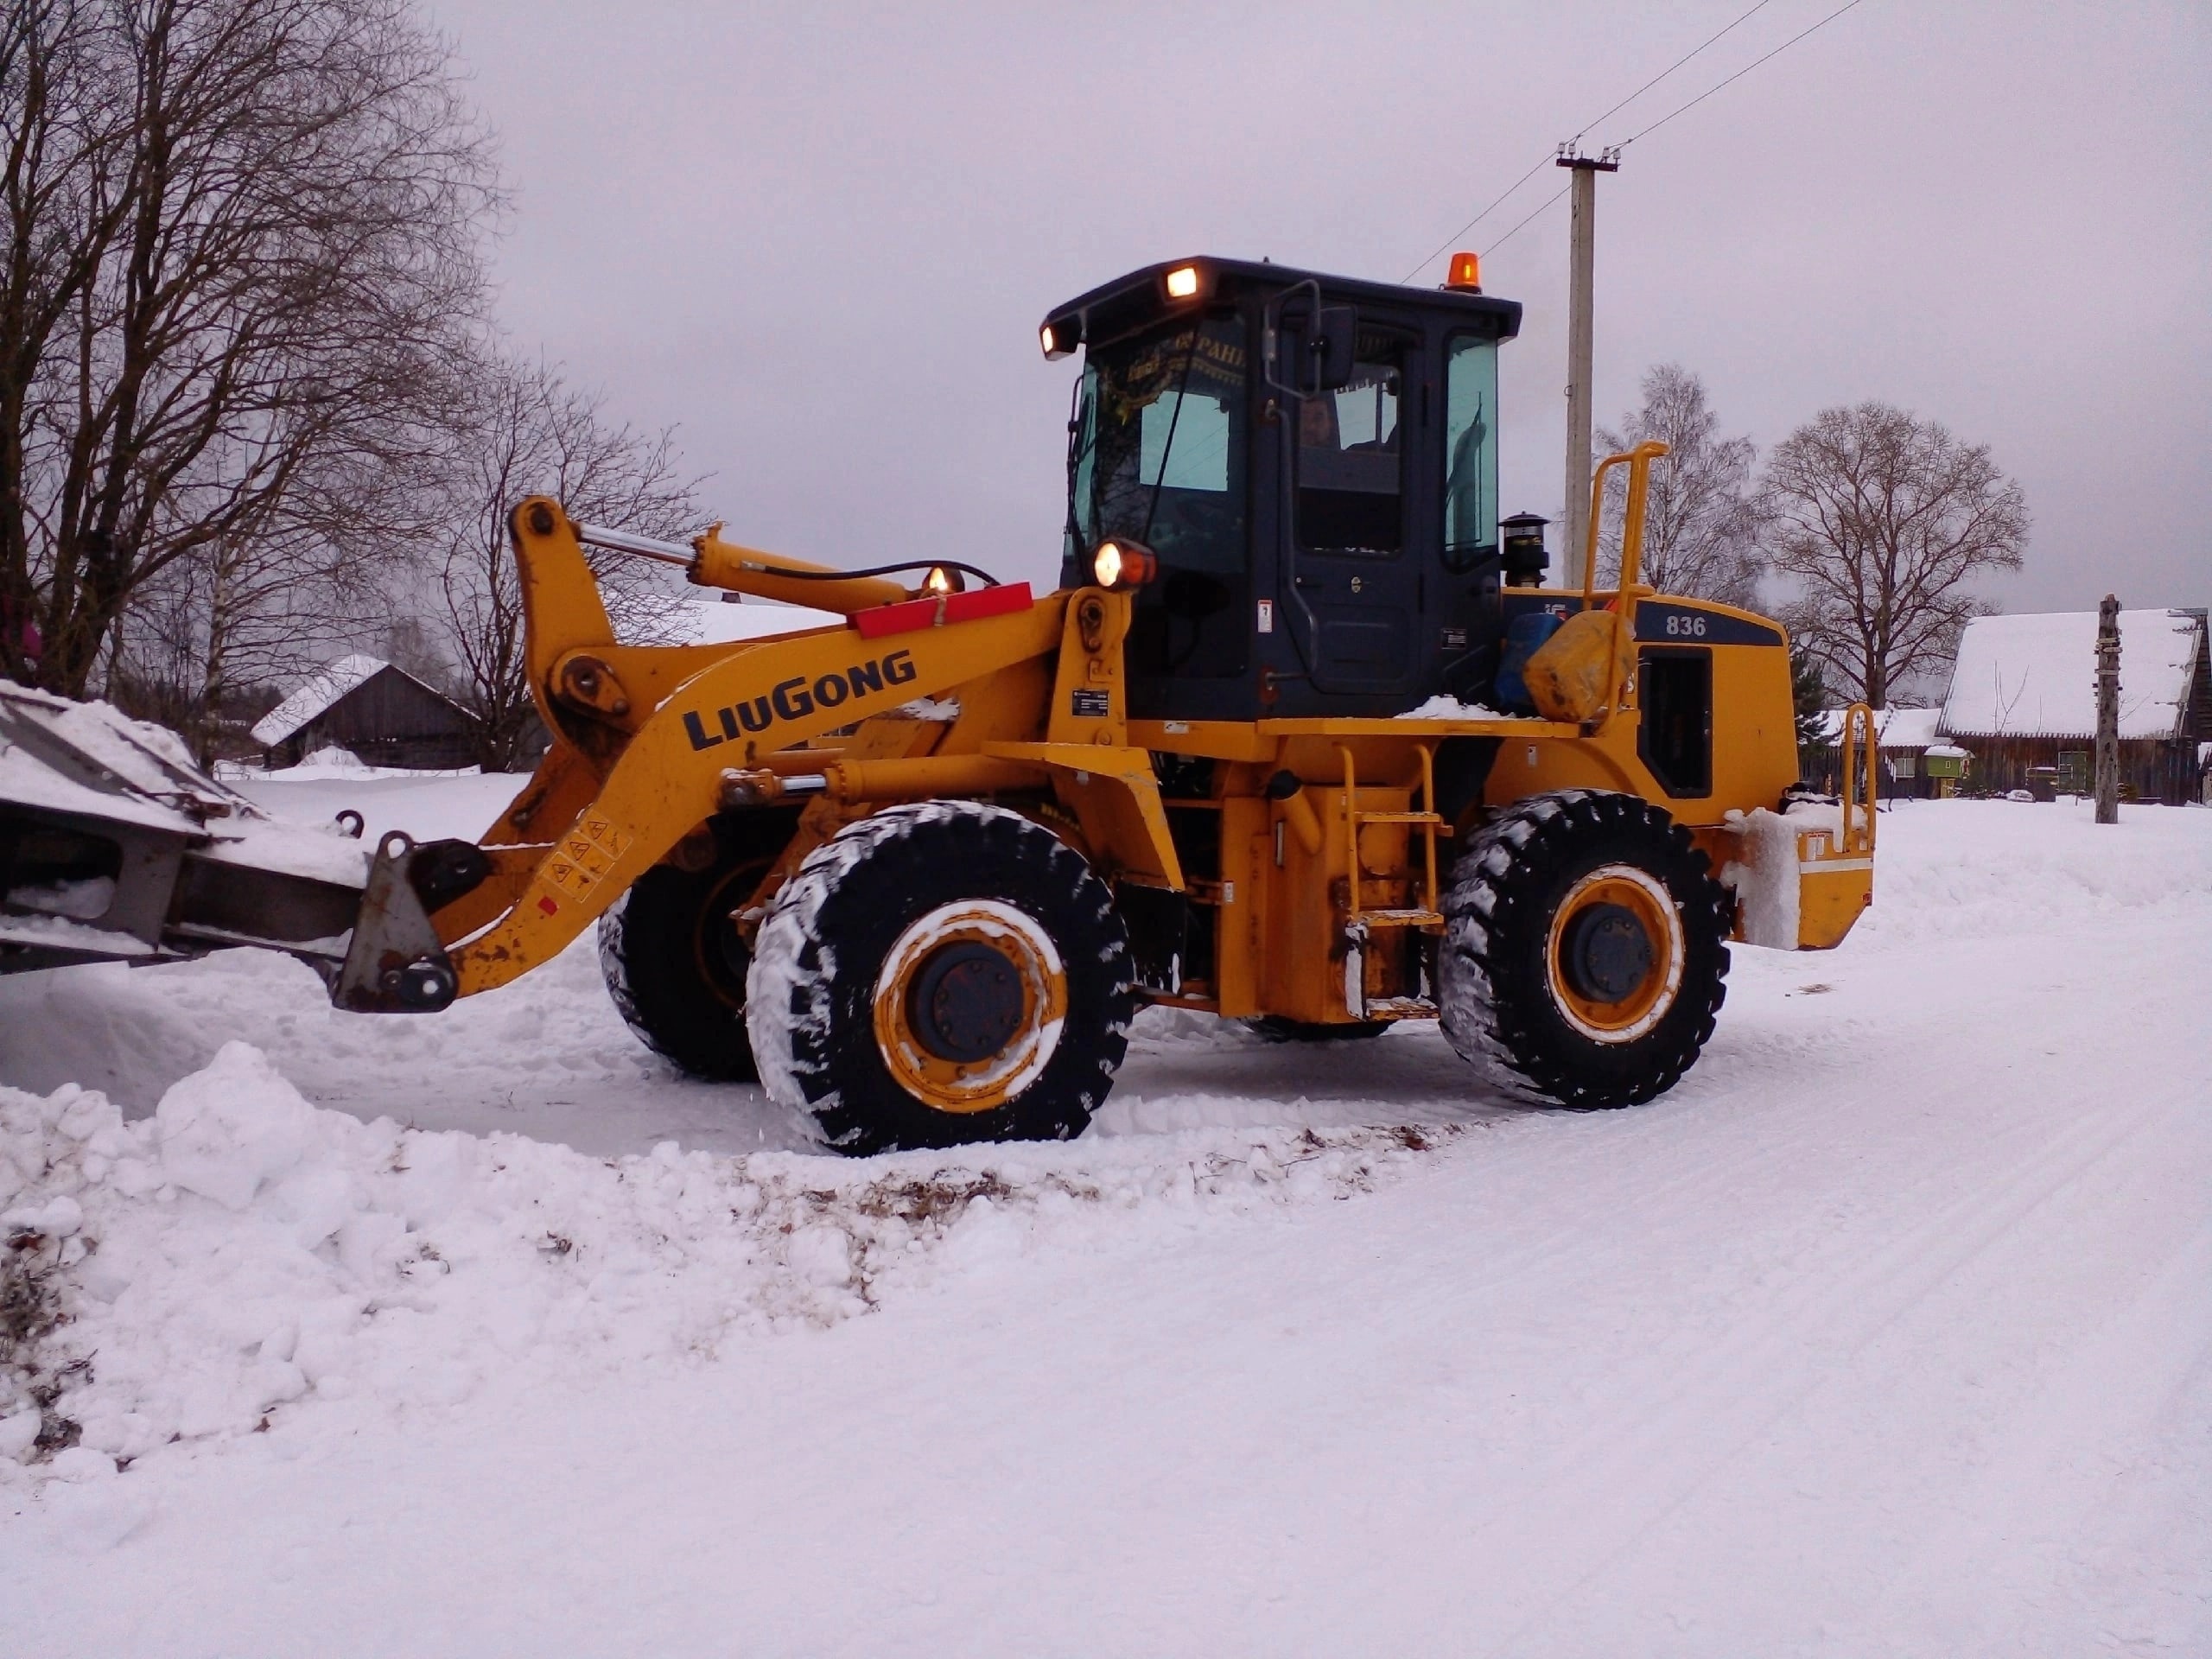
935	611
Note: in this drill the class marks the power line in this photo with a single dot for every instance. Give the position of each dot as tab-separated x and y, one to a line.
1668	71
1446	246
1510	235
1692	105
1739	74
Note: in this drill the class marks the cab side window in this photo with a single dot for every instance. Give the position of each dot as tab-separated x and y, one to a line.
1470	452
1350	464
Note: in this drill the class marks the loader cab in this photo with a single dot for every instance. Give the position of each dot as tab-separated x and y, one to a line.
1314	460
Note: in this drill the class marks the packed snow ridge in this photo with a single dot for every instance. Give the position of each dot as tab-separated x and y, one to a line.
242	1253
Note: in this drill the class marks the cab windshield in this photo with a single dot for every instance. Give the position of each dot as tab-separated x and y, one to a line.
1157	448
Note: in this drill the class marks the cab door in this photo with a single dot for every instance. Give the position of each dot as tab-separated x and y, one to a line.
1350	581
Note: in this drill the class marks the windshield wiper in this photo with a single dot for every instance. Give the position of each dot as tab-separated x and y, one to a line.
1077	448
1166	450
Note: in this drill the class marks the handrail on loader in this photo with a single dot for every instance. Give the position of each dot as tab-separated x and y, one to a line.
1856	792
1584	674
1638	461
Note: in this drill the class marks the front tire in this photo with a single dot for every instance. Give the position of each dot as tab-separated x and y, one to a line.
941	973
1584	953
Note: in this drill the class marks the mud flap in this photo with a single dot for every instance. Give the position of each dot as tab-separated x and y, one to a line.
396	963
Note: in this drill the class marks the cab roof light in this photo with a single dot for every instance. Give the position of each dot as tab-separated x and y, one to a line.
1182	282
1466	273
1060	336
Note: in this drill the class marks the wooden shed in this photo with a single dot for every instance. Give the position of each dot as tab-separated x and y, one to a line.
2023	698
1903	735
380	714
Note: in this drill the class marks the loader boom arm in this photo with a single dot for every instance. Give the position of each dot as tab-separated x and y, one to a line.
645	736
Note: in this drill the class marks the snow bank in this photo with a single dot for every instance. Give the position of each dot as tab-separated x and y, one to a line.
1943	868
1947	868
428	805
332	761
242	1254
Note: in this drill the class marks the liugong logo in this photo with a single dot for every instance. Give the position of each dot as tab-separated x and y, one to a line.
794	699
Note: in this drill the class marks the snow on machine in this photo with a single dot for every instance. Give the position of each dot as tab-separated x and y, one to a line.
915	872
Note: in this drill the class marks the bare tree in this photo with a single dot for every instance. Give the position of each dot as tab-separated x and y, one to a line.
1701	530
1882	518
201	640
531	434
242	235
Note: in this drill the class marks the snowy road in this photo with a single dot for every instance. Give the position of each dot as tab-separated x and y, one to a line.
1889	1332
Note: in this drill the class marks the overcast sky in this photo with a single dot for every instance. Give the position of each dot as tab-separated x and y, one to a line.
818	238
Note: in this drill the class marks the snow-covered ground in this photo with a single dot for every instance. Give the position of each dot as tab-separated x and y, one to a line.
1888	1332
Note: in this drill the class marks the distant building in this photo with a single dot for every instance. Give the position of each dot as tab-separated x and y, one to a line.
1905	738
382	714
2023	701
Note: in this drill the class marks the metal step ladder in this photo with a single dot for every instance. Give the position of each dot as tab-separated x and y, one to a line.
1359	922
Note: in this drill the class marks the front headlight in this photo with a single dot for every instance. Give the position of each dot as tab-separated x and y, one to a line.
1123	564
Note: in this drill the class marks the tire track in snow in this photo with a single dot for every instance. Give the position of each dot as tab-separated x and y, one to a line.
1754	1379
2105	1379
2012	1168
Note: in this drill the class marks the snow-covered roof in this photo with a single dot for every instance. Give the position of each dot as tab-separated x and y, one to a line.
2037	675
321	691
1895	728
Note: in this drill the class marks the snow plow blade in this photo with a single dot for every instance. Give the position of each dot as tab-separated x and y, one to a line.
115	847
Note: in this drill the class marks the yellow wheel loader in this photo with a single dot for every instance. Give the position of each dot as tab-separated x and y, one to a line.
1301	740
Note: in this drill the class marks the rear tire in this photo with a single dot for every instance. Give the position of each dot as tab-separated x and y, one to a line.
675	963
941	973
1584	952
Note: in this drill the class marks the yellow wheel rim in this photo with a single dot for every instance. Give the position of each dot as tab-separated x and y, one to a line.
969	1004
1603	985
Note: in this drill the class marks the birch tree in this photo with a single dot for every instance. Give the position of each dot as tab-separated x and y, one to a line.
1701	528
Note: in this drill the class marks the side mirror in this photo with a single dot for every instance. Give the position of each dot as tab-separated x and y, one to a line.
1336	330
1310	349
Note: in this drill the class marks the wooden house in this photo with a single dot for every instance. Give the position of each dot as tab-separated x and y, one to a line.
2023	701
382	714
1905	738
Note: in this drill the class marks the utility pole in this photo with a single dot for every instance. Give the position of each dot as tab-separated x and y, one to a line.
1581	276
2108	711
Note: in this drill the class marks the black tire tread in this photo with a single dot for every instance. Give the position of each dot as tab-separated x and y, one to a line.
648	957
1503	1025
871	878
